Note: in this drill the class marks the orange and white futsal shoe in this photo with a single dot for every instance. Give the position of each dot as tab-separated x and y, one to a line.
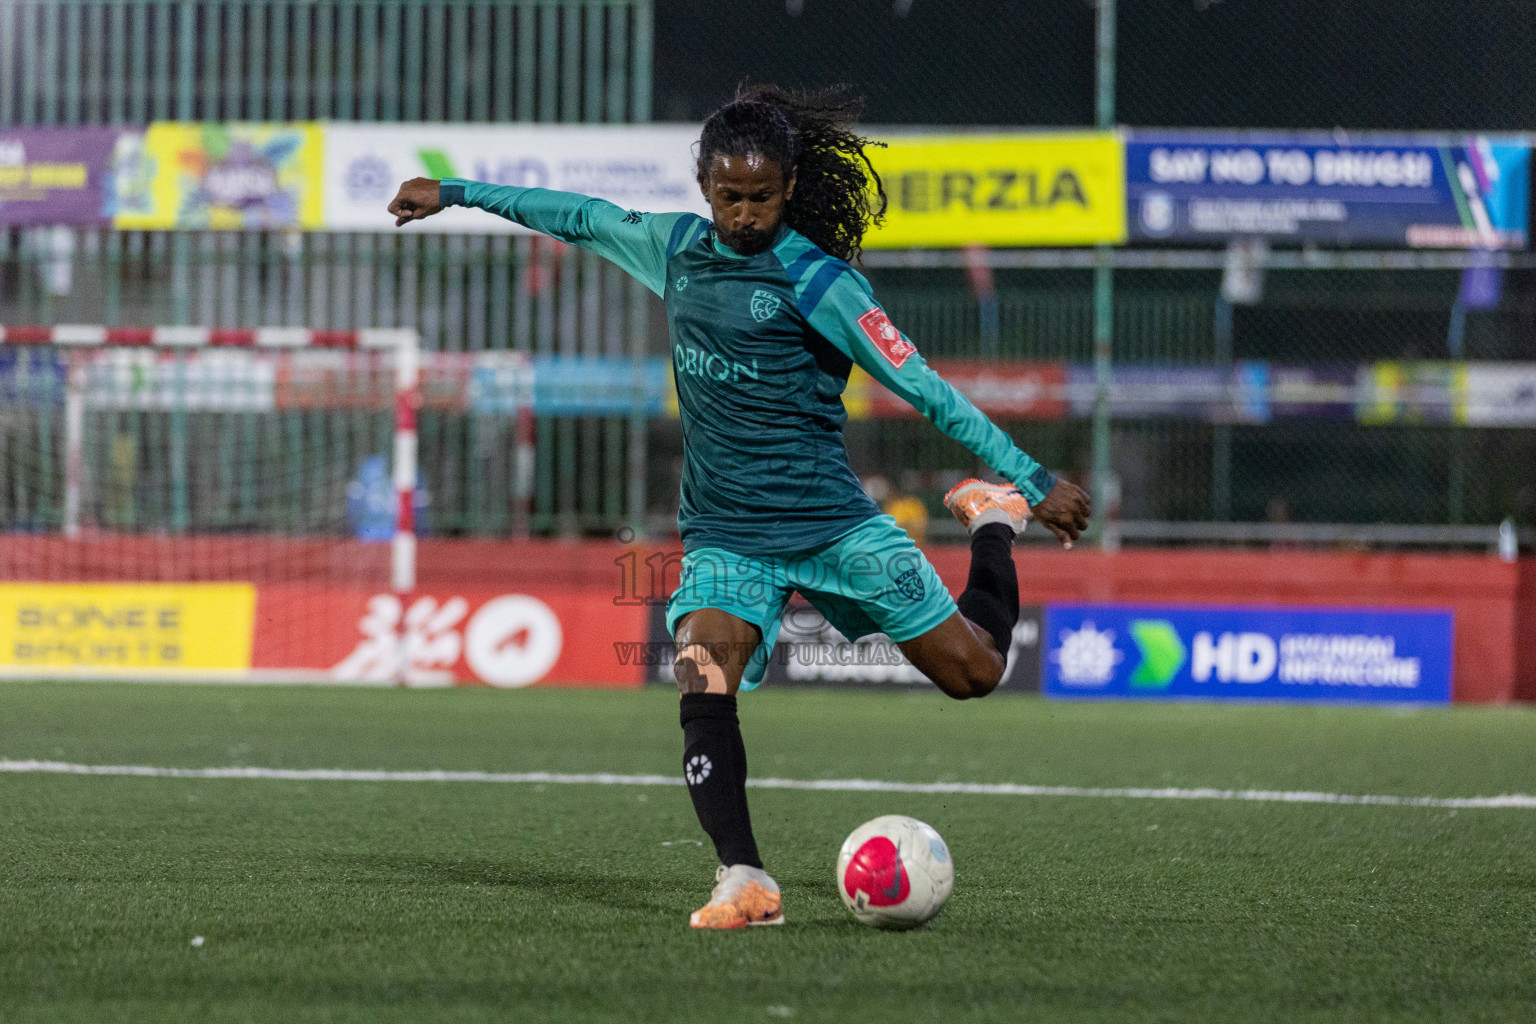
743	896
976	503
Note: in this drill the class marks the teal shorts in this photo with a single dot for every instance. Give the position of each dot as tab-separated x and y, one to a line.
872	579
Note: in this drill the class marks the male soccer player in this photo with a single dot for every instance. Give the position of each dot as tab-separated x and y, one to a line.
766	319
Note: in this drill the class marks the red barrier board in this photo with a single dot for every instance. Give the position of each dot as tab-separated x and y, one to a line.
551	612
468	635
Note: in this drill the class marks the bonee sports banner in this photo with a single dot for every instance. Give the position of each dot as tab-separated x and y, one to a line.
1254	653
158	630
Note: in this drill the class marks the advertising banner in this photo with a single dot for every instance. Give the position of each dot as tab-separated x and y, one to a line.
55	175
1479	394
1470	192
199	380
161	629
1016	389
809	652
639	167
595	386
480	382
219	176
31	378
1239	393
466	635
1412	392
1204	392
1499	395
1247	653
1319	392
1009	189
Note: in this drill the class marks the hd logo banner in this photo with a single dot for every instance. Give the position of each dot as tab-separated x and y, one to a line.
1236	653
647	167
1001	190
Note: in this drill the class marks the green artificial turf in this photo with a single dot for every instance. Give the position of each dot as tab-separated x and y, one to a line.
388	901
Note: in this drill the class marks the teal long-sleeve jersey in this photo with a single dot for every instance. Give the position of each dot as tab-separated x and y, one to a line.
761	351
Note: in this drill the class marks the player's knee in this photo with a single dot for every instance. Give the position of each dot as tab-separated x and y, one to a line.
983	685
983	671
970	675
698	671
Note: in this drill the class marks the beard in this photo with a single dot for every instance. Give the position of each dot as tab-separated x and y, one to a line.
747	241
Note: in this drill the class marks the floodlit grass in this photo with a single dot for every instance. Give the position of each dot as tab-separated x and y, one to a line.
345	901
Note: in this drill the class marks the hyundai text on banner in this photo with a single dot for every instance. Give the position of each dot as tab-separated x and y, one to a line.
1000	190
639	167
1204	186
1237	653
55	175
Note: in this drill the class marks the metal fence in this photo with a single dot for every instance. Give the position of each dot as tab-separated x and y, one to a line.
131	61
522	294
1346	309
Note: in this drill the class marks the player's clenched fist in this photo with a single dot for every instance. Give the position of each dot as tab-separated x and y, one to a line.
416	199
1064	511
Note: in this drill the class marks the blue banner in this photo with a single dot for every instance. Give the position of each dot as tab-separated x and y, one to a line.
31	377
1468	192
572	386
1161	652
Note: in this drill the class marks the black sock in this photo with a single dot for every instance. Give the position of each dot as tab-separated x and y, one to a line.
991	597
715	768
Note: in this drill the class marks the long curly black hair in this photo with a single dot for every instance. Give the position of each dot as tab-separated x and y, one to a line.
837	194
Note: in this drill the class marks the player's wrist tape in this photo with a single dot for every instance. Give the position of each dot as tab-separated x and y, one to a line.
450	192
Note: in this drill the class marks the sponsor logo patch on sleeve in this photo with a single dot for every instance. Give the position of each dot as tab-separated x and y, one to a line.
885	337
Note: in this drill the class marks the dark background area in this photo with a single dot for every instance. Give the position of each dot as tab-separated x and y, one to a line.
1364	64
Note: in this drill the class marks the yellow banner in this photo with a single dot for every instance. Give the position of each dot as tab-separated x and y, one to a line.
133	627
1001	190
221	176
1414	392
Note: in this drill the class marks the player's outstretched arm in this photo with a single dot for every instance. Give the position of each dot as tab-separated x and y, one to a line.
638	242
848	316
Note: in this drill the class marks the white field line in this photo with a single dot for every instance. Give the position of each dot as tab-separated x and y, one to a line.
1520	801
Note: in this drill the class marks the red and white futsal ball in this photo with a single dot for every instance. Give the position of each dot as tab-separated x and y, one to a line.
894	872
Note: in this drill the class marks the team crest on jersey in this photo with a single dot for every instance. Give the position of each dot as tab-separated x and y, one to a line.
885	337
681	283
910	584
764	305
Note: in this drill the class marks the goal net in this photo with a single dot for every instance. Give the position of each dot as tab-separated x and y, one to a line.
183	502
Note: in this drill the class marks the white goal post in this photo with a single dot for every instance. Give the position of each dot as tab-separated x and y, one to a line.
57	378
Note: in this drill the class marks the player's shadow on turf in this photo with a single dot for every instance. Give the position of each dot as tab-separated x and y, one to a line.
616	890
